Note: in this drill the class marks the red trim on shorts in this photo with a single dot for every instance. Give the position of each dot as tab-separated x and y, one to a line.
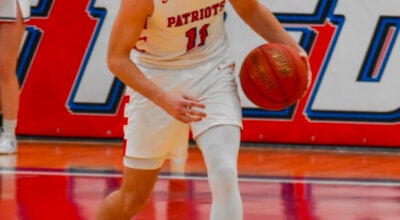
125	101
124	146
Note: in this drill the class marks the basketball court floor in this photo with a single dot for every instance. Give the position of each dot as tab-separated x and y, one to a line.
53	180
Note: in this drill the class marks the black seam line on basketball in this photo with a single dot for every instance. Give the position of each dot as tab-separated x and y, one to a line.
276	78
257	89
259	92
295	70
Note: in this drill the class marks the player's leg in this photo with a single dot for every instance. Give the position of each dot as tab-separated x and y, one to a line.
220	146
11	34
178	162
136	188
218	136
151	135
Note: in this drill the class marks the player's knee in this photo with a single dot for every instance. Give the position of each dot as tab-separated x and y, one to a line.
224	177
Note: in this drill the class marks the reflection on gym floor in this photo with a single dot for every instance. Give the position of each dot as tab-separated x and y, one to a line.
59	180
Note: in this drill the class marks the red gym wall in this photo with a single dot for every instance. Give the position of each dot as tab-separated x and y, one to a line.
67	90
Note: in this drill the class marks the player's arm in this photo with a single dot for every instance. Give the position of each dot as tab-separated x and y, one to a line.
263	22
125	33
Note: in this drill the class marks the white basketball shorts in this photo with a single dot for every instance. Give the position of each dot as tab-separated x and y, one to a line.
152	133
8	9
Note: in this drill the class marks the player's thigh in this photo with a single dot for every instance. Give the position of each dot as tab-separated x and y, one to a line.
11	34
151	132
220	142
222	102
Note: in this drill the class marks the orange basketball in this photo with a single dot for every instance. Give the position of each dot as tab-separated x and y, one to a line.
273	76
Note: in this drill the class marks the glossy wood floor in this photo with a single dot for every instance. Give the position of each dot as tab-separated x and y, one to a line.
49	180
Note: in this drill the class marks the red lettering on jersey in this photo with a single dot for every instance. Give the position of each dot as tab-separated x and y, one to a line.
197	15
216	7
201	14
222	5
141	39
207	12
171	20
185	17
178	21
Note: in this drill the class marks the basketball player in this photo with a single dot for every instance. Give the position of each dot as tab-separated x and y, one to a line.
13	14
181	77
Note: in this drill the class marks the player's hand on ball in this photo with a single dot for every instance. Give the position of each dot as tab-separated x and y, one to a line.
306	60
184	108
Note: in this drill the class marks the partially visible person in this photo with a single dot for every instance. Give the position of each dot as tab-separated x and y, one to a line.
13	14
181	78
178	162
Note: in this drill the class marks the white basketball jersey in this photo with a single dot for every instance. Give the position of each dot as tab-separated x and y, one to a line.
182	33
